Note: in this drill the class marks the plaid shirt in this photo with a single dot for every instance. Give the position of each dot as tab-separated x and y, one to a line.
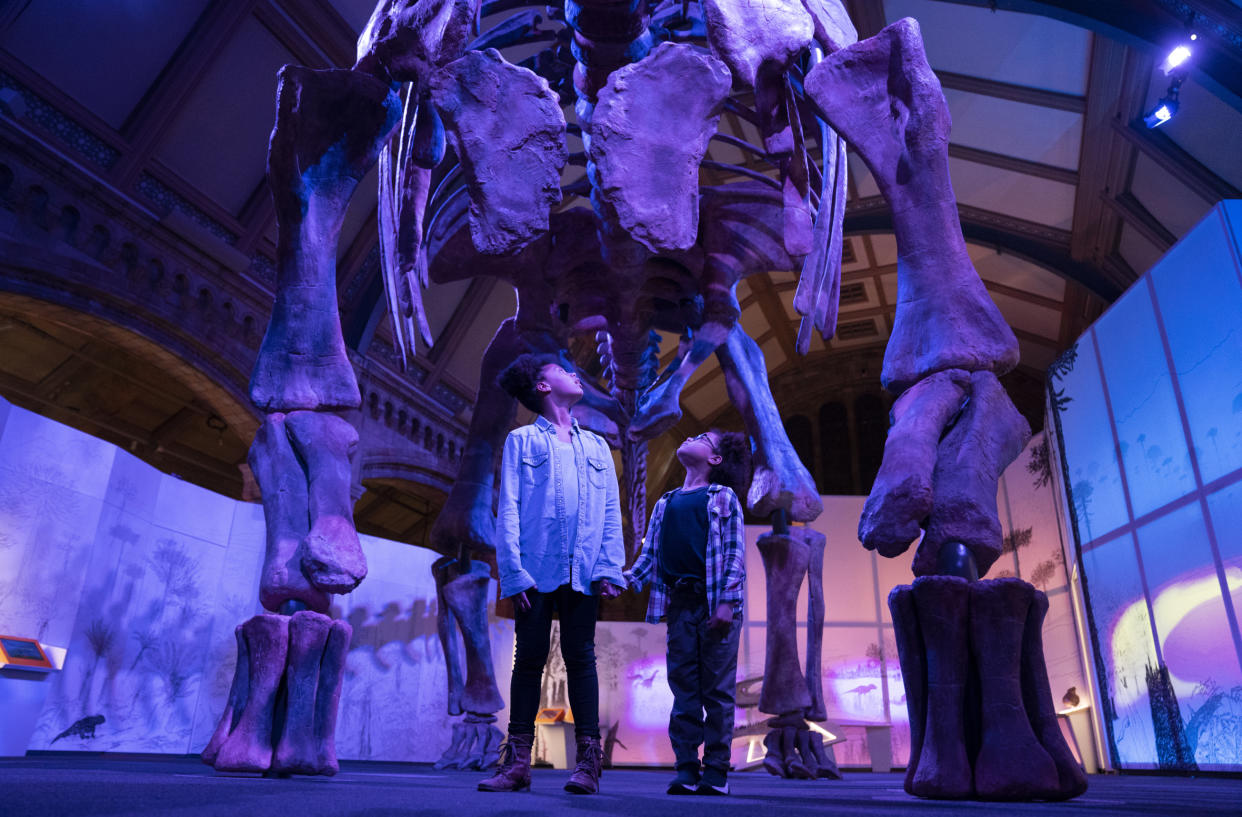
726	561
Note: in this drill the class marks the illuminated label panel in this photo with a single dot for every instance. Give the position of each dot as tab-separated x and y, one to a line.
1156	385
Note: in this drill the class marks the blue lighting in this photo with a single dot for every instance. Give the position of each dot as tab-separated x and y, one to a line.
1159	116
1176	57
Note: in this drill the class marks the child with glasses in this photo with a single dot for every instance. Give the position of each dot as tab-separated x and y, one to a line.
693	555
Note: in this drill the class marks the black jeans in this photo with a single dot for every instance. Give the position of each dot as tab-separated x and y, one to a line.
702	673
533	633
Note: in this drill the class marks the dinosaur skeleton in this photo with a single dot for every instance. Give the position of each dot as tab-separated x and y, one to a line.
472	152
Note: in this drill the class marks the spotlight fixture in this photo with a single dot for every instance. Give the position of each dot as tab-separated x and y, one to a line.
1165	108
1176	58
1175	67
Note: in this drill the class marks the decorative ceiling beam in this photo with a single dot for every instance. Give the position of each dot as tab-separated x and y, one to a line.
1036	338
1023	295
325	27
1044	246
1116	87
1014	93
1038	169
867	16
1141	219
172	428
1180	164
64	373
1153	25
9	12
458	325
291	36
774	311
1080	311
147	124
131	437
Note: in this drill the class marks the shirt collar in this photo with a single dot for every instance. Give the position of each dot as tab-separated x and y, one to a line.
544	424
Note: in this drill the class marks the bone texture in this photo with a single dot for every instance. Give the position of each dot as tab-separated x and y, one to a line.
881	95
281	714
982	722
507	128
405	41
780	481
785	561
332	557
649	132
988	436
902	495
757	36
466	596
286	512
330	126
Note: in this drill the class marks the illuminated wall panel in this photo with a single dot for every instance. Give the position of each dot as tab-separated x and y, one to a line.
860	672
144	577
1156	384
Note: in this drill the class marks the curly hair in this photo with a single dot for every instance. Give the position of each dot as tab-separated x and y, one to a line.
520	377
734	468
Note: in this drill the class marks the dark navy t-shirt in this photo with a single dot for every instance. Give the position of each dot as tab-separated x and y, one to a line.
683	536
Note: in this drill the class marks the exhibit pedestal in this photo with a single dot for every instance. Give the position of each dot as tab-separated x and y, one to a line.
557	743
22	694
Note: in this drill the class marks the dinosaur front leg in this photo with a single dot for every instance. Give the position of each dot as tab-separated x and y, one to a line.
466	596
883	97
466	520
329	128
780	481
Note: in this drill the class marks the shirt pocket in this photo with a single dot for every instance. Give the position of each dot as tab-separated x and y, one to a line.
535	469
597	472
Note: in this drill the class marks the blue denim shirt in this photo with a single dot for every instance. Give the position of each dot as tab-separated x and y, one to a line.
532	522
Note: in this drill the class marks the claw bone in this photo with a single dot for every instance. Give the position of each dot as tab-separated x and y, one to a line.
901	497
332	556
969	461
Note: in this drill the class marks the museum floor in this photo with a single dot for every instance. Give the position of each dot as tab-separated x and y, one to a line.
85	785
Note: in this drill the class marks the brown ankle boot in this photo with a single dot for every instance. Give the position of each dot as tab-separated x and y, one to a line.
514	771
585	779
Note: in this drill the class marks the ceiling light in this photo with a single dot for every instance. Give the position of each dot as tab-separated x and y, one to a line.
1176	57
1162	113
1165	109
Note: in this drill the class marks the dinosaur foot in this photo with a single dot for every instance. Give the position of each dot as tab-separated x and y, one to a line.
281	712
797	752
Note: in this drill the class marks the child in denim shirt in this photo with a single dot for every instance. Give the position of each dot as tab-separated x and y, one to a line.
559	548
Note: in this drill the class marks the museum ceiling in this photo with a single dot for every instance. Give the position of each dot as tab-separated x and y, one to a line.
161	112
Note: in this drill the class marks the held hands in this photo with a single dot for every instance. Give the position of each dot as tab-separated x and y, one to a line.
722	618
608	590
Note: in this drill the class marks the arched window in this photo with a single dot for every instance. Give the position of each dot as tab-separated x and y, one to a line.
836	474
871	418
800	434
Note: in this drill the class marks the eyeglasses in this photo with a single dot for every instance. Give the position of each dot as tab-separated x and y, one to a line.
706	437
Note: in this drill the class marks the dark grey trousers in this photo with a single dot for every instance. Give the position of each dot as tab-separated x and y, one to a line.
702	673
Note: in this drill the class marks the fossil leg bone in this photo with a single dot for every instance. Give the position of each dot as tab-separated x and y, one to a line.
780	479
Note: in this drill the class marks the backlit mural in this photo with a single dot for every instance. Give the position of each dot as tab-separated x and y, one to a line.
130	569
1147	408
